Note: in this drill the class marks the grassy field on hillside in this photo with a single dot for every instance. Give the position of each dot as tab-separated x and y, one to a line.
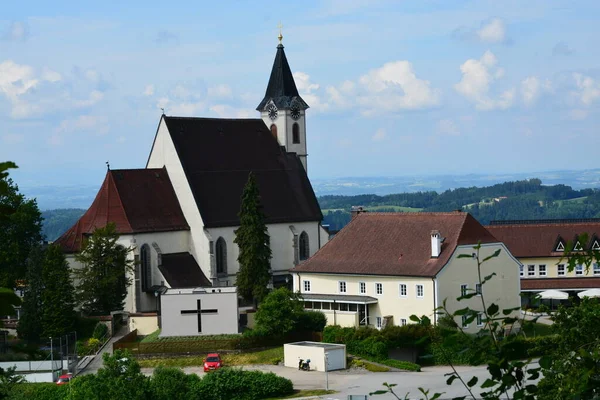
270	356
378	208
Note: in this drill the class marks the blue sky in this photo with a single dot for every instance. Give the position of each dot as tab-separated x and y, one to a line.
395	87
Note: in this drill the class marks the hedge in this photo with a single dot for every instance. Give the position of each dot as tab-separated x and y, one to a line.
165	384
406	365
39	391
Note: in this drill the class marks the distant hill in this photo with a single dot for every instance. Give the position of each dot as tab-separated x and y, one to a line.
526	199
56	222
523	199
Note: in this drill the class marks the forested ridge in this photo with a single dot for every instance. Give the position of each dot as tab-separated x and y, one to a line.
526	199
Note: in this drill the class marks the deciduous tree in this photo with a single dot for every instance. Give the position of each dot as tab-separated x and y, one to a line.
104	277
252	238
20	229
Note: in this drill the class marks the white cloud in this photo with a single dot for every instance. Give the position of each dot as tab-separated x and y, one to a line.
588	90
530	89
379	136
94	97
493	31
578	114
220	91
51	76
16	79
149	90
477	78
562	49
447	127
309	91
395	87
84	123
16	31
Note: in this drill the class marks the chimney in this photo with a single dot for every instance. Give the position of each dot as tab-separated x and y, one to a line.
436	244
357	210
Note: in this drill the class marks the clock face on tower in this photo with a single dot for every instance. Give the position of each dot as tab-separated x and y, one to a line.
272	110
295	112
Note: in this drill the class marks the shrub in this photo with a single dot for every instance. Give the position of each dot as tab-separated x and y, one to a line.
406	365
85	327
368	366
170	383
236	384
93	345
100	331
39	391
311	321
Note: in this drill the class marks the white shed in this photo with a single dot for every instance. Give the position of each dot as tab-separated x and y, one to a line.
315	352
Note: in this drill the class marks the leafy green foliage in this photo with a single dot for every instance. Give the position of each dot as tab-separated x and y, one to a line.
100	331
103	279
172	384
58	301
8	300
236	384
252	238
8	380
39	391
282	312
20	231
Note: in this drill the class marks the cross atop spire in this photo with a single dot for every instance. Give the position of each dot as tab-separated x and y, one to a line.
280	37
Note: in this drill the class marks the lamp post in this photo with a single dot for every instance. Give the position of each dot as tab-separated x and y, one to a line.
326	371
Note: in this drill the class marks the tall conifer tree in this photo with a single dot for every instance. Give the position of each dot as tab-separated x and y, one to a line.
58	299
252	238
104	278
30	324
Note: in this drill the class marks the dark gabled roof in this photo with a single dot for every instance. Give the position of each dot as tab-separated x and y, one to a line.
217	156
135	200
182	271
540	238
395	244
560	283
282	88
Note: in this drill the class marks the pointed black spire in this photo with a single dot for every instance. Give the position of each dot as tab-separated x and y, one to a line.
282	88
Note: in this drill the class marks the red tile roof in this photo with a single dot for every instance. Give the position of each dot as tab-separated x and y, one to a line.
135	200
540	239
395	244
559	283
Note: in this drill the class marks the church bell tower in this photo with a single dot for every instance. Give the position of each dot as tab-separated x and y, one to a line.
282	109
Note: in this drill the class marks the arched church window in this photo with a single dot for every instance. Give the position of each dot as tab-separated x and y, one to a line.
221	251
146	267
304	248
296	133
274	130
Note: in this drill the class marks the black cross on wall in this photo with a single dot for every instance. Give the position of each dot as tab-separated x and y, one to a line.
199	311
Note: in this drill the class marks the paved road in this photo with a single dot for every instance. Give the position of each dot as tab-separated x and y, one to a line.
363	382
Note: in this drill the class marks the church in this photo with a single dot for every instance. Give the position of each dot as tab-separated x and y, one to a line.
180	212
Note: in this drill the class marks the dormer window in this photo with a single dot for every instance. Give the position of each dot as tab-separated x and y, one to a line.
596	245
577	246
560	246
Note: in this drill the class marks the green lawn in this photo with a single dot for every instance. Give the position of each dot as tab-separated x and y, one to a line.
270	356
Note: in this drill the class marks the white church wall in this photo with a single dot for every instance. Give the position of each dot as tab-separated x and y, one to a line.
164	154
168	242
282	245
219	312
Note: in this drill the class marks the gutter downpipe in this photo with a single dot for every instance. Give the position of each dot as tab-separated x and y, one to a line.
434	301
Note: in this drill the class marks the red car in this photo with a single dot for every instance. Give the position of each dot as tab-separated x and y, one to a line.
212	362
64	379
